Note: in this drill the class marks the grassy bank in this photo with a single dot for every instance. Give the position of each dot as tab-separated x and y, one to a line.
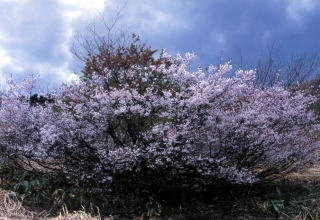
294	197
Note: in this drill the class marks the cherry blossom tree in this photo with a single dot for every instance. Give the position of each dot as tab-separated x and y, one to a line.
163	123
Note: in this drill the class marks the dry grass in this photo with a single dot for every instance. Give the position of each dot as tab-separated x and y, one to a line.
310	175
11	208
79	215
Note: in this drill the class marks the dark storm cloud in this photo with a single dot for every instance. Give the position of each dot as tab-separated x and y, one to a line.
36	35
237	28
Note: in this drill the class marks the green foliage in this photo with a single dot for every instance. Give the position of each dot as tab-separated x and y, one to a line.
32	186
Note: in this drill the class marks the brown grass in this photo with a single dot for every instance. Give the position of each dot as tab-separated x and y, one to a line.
11	208
310	175
79	215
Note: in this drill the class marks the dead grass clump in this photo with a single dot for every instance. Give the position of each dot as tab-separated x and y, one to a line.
312	175
79	215
11	207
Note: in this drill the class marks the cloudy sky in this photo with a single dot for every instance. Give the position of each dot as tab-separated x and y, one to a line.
36	35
